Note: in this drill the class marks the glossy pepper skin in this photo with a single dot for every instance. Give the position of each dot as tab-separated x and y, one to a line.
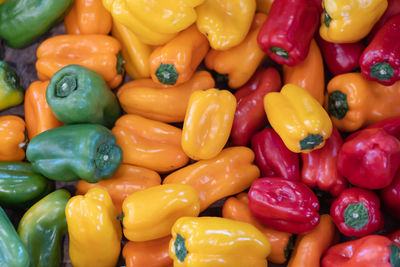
12	138
43	227
287	33
390	125
226	22
298	118
97	52
390	197
284	205
208	123
24	21
345	21
272	156
370	160
175	62
77	94
94	231
70	152
250	115
392	9
395	237
11	92
214	241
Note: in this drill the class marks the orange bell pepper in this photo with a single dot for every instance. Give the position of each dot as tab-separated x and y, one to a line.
153	101
97	52
12	138
88	17
151	144
309	74
229	173
354	102
175	62
126	180
237	208
239	62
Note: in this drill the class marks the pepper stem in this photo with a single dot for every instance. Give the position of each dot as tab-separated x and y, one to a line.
279	52
327	18
102	158
120	63
66	85
311	141
180	249
381	71
166	74
337	104
356	215
121	217
11	77
394	255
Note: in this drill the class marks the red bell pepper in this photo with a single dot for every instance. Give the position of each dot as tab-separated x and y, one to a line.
371	159
372	250
250	115
395	237
390	125
287	33
391	197
284	205
392	9
380	61
319	166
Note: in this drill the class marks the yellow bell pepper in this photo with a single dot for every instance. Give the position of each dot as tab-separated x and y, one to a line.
348	21
215	242
298	118
150	213
154	22
225	22
208	123
94	231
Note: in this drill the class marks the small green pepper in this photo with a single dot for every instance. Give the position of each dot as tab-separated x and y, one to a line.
11	92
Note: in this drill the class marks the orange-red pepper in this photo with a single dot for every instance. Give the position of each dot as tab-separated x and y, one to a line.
12	138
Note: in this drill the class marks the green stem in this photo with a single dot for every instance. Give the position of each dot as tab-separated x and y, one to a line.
180	248
311	141
327	18
66	85
381	71
166	74
120	63
337	104
279	52
394	255
356	215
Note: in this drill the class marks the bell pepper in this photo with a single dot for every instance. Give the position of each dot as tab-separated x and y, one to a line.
77	94
247	52
153	101
154	22
217	242
349	21
313	81
11	92
395	237
370	160
348	101
88	17
153	253
126	180
287	33
263	6
225	23
169	202
43	227
23	21
284	205
151	144
319	167
310	247
175	62
298	118
250	115
97	52
272	156
38	115
13	252
392	9
208	123
227	174
12	138
371	250
390	197
70	152
390	125
237	208
380	60
94	231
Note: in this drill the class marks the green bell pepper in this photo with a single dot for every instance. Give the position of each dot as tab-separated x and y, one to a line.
13	252
11	92
77	94
70	152
23	21
43	227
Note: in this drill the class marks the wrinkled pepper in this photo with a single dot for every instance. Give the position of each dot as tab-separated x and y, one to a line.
215	241
12	138
70	152
208	123
97	52
392	9
11	91
298	118
390	197
229	173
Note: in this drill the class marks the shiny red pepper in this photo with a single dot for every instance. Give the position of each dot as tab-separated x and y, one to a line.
390	125
391	197
250	115
392	9
284	205
395	236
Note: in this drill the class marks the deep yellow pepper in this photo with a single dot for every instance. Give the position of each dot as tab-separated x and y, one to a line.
150	213
348	21
225	22
214	242
298	118
12	138
94	231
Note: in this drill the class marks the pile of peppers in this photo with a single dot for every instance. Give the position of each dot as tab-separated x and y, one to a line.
201	133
